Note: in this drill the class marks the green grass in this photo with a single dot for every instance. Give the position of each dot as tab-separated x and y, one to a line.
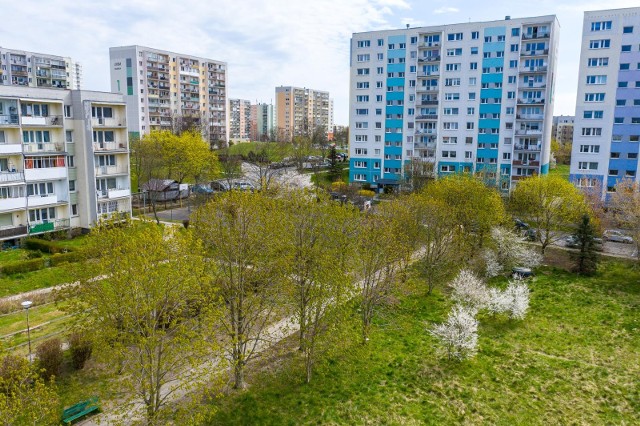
574	360
74	243
48	277
561	170
324	180
12	255
44	320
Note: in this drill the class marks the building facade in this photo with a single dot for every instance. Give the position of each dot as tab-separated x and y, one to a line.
64	159
166	90
239	120
301	111
471	97
563	128
607	122
22	68
265	122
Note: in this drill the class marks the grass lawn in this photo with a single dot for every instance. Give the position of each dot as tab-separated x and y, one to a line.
574	360
561	170
323	179
44	320
12	255
48	277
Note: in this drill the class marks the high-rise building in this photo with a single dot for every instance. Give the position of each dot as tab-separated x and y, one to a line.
64	159
469	97
265	122
165	90
301	111
239	120
562	129
607	121
22	68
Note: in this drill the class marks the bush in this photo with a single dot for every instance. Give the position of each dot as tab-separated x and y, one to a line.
34	254
49	354
11	371
22	266
45	246
80	348
59	258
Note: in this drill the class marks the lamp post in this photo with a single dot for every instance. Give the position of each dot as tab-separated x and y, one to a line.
26	305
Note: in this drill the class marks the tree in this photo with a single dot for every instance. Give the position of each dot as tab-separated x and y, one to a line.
241	234
586	260
550	204
302	150
625	208
516	298
418	173
145	307
468	290
25	398
381	256
459	334
508	251
335	171
473	206
319	246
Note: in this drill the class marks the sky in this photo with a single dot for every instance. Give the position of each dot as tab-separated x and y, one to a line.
267	43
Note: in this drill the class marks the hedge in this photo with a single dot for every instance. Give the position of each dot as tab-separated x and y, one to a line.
45	246
23	266
59	258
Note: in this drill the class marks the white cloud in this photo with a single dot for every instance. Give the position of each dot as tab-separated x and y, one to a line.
446	9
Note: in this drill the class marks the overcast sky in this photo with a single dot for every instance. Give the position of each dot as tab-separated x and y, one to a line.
266	43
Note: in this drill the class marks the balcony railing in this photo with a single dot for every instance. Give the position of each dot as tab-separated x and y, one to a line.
111	170
13	231
538	68
48	226
109	146
50	120
519	147
113	193
9	120
108	122
530	116
11	177
429	44
429	59
427	102
535	36
534	52
525	132
427	117
531	101
43	147
427	89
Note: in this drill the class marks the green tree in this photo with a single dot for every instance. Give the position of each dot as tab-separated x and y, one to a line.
143	310
241	234
586	260
625	209
550	204
25	398
335	171
319	245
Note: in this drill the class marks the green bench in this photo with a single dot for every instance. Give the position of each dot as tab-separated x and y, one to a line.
80	409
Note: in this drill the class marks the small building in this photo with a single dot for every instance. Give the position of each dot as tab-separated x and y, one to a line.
165	190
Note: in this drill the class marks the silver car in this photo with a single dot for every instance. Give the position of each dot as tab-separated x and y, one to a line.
617	236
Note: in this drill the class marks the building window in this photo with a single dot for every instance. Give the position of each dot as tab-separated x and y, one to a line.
475	35
627	30
626	48
586	165
67	111
72	185
601	26
74	210
364	43
598	62
68	135
515	32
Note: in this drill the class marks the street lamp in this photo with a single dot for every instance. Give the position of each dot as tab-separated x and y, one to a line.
26	305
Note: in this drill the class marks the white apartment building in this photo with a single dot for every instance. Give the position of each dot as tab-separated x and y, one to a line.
606	131
239	120
470	97
23	68
300	111
64	159
164	90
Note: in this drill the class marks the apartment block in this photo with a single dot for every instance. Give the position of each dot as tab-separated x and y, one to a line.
607	122
562	129
22	68
64	159
239	120
301	111
265	122
166	90
470	97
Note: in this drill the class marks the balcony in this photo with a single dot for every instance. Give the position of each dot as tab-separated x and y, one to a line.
542	52
532	101
9	120
424	44
43	147
110	146
423	89
108	122
51	120
48	226
44	200
19	203
427	102
530	116
528	163
424	74
529	132
428	59
427	117
531	85
535	36
112	170
47	173
13	231
422	145
530	69
426	132
11	177
531	148
10	148
113	193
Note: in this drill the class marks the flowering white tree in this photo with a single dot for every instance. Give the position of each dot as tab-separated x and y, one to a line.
517	299
459	334
498	301
509	251
469	290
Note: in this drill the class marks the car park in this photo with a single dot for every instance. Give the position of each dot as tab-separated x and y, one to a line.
617	236
572	241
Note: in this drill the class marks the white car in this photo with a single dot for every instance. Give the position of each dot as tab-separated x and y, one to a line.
617	236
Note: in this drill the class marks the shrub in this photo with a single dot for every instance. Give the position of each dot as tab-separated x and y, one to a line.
22	266
45	246
80	348
459	334
60	258
49	354
34	254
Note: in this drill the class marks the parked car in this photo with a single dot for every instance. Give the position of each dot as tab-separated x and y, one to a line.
572	241
520	272
617	236
201	189
521	225
531	235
